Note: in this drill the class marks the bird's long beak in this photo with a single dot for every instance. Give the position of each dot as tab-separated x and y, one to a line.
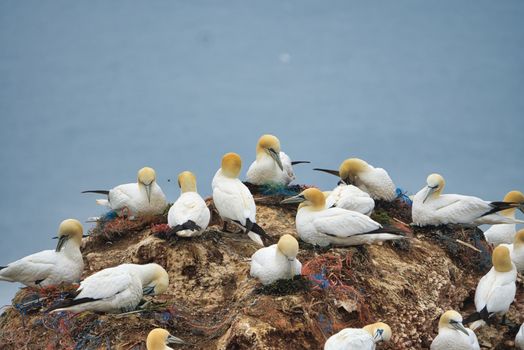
148	290
332	172
459	327
276	157
148	191
429	193
61	242
296	199
171	339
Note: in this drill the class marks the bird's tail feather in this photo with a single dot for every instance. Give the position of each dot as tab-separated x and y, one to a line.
65	304
188	225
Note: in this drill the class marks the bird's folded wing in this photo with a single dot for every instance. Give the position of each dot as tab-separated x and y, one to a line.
343	223
106	284
457	207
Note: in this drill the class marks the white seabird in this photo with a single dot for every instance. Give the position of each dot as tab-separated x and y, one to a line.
430	207
271	166
117	289
505	233
50	267
519	338
359	338
233	200
189	215
351	198
375	181
452	335
144	197
496	289
277	261
159	338
322	226
516	251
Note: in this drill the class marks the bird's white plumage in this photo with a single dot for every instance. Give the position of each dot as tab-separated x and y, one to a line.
269	264
496	291
264	170
452	339
377	183
351	198
48	266
133	198
234	201
453	209
519	338
500	233
338	226
517	255
350	339
189	206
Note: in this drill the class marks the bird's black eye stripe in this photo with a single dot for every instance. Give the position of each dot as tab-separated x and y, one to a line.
433	187
452	321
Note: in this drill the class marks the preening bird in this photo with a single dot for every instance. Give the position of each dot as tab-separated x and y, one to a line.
430	207
189	215
278	261
159	338
374	181
233	200
322	226
505	233
144	197
50	267
359	338
516	251
117	289
271	166
452	335
351	198
496	289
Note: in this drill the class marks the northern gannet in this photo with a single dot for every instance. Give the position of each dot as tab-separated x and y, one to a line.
189	215
351	198
159	338
144	197
516	251
519	338
359	338
322	226
50	267
505	233
375	181
496	289
117	289
452	335
430	207
233	200
278	261
271	166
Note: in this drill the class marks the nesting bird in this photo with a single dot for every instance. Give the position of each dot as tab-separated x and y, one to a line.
322	226
117	289
505	233
50	267
278	261
233	199
189	215
145	197
452	335
351	198
375	181
431	207
359	338
516	251
496	289
272	166
159	338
